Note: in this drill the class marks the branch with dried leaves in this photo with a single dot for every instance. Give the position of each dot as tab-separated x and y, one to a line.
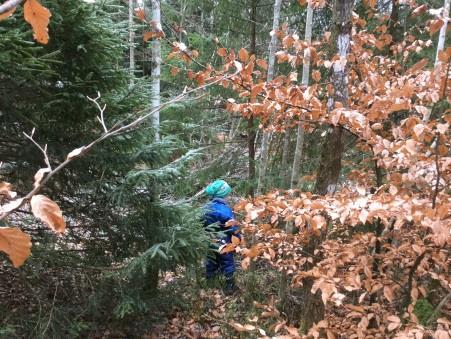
79	152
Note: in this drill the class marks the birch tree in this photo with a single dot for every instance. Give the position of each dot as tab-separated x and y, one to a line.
330	162
305	82
156	67
442	36
131	38
271	61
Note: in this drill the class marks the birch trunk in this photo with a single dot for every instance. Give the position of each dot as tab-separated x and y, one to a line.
305	81
250	121
442	36
271	61
131	41
330	162
156	70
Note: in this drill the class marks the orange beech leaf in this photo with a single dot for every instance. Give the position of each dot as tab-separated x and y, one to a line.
316	75
16	244
222	52
49	212
6	190
435	26
242	328
388	293
175	71
140	14
318	222
262	63
227	248
38	17
7	14
243	55
245	263
419	10
235	240
148	35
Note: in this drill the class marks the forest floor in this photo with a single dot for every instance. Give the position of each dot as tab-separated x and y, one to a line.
209	313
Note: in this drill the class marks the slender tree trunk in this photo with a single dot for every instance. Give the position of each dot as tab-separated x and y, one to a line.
156	70
131	41
330	162
250	121
271	61
442	36
305	81
285	155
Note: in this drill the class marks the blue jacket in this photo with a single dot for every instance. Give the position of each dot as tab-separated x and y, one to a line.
218	211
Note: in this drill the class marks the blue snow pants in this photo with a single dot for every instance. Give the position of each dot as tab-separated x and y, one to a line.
224	263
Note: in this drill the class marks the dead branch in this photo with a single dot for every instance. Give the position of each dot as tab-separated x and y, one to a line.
115	130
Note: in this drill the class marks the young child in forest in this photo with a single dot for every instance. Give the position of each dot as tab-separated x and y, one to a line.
219	213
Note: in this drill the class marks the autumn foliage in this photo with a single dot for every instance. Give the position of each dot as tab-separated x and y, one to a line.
385	233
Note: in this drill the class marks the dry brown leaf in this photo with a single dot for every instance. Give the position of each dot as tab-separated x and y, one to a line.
38	17
222	52
16	244
6	190
243	55
49	212
388	293
141	14
262	63
316	75
76	152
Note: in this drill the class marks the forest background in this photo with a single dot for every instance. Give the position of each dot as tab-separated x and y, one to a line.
330	119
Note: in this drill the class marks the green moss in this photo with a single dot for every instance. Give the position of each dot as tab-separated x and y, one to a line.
423	310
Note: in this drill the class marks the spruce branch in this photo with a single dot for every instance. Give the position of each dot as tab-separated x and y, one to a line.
83	150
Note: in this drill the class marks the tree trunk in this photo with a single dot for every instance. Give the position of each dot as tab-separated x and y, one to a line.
442	36
285	155
271	61
250	121
330	162
156	71
131	41
305	81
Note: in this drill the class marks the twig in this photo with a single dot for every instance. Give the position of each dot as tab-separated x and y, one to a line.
438	308
42	149
51	310
115	130
101	110
415	265
437	167
8	5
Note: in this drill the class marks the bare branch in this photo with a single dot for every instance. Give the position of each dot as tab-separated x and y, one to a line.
115	130
42	149
8	5
101	110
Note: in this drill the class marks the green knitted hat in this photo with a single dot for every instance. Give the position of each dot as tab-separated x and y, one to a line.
218	189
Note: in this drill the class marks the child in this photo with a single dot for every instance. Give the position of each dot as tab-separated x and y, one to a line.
218	211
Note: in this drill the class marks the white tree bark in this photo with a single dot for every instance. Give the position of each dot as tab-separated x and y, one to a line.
442	36
305	81
271	61
156	68
131	39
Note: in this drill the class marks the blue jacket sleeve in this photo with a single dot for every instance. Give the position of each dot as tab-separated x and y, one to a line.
219	212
